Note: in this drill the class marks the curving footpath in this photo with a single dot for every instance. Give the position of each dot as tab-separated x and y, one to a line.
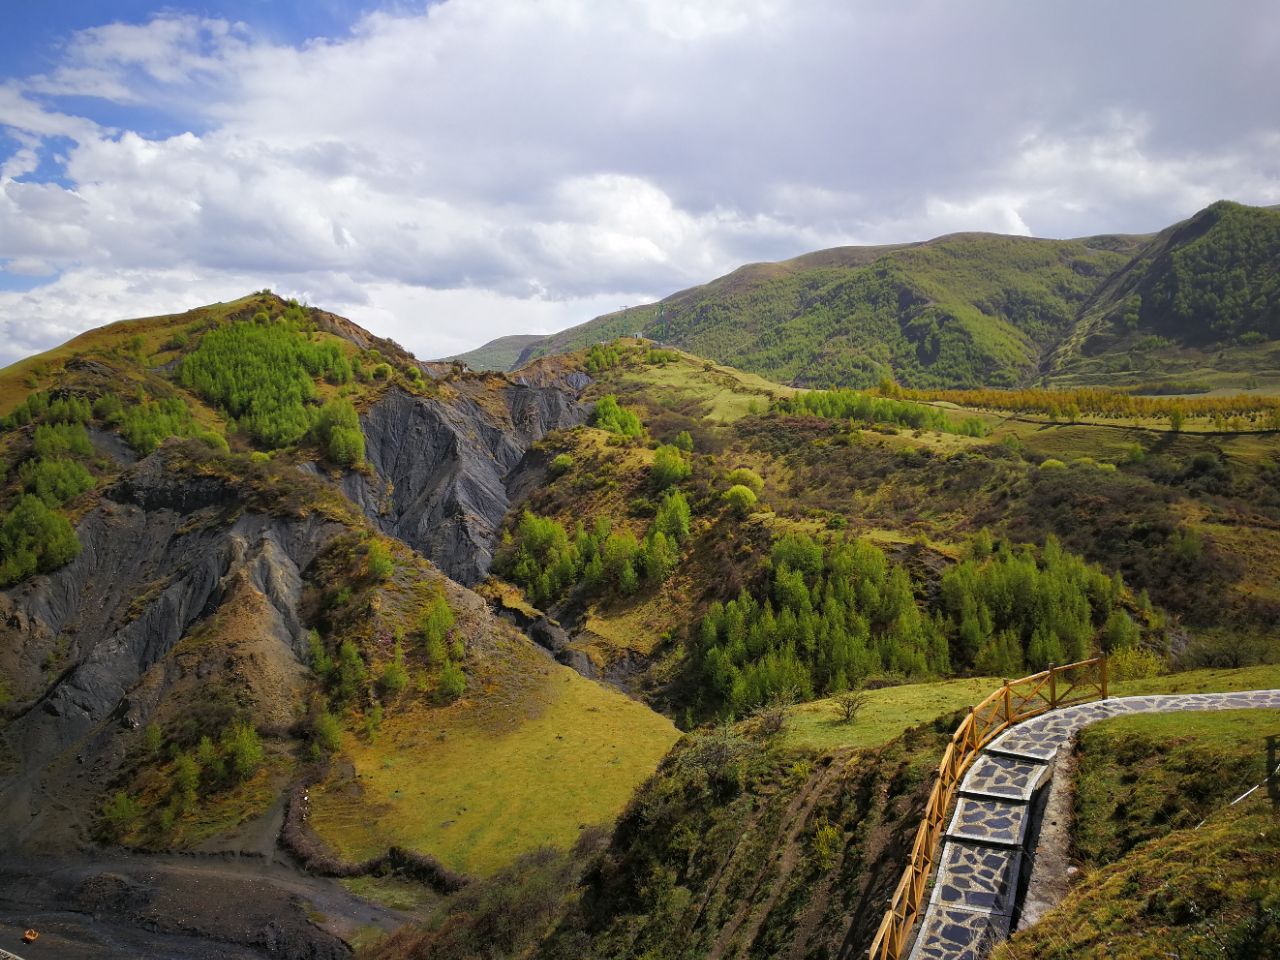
975	895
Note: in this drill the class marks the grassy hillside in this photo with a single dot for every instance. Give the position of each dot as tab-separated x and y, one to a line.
966	309
1192	308
227	404
872	499
1153	884
1200	303
500	354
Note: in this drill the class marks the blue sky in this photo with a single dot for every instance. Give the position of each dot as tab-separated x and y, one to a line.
452	172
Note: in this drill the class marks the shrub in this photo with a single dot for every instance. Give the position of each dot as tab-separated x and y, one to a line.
382	371
746	477
350	673
1052	464
186	780
669	467
740	499
561	465
34	539
56	480
379	562
243	750
684	441
610	416
452	682
1133	663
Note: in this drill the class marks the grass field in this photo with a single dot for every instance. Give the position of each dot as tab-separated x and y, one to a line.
890	710
477	798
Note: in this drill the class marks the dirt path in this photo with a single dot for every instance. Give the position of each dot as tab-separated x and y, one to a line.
181	906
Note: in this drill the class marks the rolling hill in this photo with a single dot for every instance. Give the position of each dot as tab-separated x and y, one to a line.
548	664
1197	300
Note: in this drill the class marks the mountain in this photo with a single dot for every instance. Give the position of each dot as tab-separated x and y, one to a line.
971	310
500	354
548	664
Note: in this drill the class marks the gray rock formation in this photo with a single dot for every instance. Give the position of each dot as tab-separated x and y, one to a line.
159	554
445	468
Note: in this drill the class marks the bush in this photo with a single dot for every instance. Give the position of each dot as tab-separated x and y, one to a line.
379	562
610	416
452	682
669	467
1052	464
1133	663
740	499
243	750
561	465
746	477
34	539
56	480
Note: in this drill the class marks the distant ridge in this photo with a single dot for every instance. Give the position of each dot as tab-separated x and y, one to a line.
976	309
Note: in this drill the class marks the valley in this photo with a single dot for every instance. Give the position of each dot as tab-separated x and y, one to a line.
627	652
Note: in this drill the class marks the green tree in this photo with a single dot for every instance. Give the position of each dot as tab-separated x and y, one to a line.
379	562
243	750
669	467
395	677
740	499
453	682
746	477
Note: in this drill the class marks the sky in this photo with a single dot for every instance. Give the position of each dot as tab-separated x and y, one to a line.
445	173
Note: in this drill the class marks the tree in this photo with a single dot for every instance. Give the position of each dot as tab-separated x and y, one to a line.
746	477
673	516
740	499
669	467
684	441
379	562
850	704
394	676
152	739
452	682
243	749
186	780
326	732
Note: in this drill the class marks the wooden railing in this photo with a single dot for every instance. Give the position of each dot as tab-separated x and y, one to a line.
1012	703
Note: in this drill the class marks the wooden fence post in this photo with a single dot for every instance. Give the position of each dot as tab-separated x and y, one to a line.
1053	686
1104	676
1008	705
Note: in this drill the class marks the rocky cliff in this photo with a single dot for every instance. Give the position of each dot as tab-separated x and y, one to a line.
443	468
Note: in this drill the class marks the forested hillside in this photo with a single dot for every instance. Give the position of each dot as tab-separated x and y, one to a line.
1196	304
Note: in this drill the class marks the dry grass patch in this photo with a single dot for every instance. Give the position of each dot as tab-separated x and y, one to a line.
478	793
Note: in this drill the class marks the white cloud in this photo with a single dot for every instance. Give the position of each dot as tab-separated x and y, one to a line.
487	166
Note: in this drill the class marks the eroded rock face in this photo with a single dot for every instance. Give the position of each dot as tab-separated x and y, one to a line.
90	645
445	468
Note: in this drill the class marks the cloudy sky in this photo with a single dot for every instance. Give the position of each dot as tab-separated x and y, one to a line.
449	172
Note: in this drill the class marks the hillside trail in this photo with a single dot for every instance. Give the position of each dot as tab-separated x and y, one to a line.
743	928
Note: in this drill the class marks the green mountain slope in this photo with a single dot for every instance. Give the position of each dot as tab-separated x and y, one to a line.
501	354
1199	301
962	309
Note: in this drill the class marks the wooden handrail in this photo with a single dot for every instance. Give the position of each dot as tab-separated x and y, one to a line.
1012	703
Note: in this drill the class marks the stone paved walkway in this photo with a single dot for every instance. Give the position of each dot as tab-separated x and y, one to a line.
974	896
